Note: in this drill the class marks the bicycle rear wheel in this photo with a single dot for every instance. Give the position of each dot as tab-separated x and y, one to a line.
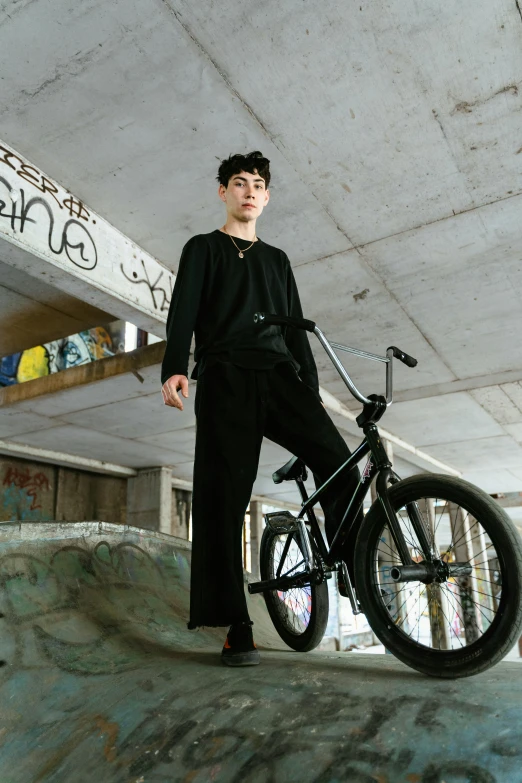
469	616
299	614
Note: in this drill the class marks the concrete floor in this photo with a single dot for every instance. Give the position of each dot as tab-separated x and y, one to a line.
102	682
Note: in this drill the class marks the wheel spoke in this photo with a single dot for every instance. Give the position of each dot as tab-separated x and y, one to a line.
451	614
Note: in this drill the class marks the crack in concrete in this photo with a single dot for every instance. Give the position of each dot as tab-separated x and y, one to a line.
519	9
72	67
438	220
364	245
467	106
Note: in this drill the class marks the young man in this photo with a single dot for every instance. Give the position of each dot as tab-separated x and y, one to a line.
251	382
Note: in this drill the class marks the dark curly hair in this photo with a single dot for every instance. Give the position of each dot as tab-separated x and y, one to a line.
252	163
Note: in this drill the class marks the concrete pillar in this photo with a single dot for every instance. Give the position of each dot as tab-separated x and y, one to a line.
480	556
181	505
149	500
256	531
438	606
463	552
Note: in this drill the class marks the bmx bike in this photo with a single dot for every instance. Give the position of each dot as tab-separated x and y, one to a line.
437	563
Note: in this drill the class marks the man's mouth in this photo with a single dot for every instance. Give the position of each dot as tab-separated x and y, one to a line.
252	206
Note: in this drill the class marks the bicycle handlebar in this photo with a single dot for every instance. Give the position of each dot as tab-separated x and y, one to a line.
405	358
271	319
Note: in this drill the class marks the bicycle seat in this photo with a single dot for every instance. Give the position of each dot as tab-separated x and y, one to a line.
294	469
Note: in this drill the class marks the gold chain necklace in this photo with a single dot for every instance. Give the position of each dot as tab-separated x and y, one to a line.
241	252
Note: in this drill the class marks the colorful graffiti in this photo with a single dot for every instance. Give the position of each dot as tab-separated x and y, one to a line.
81	348
22	496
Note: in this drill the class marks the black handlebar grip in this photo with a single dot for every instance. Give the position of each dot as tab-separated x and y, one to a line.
409	361
271	319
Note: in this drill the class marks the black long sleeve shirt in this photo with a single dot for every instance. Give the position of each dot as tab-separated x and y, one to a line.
216	294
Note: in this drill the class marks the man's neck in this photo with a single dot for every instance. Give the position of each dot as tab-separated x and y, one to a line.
236	228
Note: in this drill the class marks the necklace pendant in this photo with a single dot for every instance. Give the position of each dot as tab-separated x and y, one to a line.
241	255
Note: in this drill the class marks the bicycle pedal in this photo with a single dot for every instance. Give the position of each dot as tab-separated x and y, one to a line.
281	522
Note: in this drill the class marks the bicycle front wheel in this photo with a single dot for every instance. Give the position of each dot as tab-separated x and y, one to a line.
299	614
456	610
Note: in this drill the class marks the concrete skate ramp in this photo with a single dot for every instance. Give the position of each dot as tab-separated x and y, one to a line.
102	682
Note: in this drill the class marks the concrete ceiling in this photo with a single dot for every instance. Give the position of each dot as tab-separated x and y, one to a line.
33	313
394	136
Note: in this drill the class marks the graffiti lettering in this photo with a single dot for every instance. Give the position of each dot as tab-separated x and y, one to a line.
76	241
35	177
183	720
31	483
76	208
160	296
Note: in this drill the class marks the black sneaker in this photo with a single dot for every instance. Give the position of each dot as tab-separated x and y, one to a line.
239	648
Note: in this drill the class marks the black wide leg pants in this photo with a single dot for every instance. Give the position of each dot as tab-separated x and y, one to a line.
235	407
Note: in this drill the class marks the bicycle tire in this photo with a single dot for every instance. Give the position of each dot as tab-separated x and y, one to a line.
301	635
504	628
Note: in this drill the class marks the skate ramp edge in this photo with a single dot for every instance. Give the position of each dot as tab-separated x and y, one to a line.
101	680
105	586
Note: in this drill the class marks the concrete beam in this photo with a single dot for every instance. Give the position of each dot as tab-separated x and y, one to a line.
509	500
84	374
50	234
33	313
413	454
62	458
461	385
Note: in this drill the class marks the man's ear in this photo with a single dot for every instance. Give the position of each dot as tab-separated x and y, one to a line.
267	197
222	193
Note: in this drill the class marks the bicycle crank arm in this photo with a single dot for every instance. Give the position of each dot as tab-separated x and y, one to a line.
356	609
283	583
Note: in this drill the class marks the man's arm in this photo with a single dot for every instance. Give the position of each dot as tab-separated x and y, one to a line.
297	339
181	319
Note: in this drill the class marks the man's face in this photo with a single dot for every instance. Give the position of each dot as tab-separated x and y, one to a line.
245	196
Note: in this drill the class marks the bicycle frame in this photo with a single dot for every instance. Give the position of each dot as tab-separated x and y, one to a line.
378	466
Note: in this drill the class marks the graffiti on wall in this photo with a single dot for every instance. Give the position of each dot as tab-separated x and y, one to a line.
46	359
22	494
70	238
108	615
160	288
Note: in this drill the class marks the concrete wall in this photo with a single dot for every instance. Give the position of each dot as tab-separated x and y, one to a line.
32	491
35	491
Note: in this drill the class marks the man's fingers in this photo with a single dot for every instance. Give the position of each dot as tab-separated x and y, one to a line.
166	398
169	391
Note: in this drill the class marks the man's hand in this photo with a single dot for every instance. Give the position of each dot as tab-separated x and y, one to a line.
170	388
